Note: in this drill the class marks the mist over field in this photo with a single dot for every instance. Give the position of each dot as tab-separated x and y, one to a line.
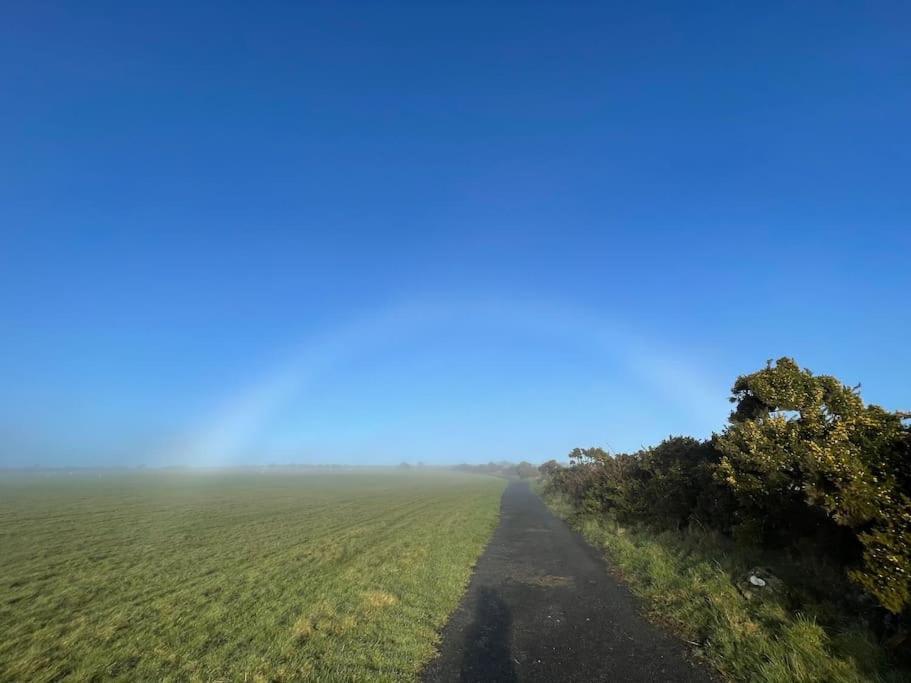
438	235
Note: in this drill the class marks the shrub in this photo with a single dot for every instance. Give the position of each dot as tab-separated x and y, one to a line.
804	447
676	481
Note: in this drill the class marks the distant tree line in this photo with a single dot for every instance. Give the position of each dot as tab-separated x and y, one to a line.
802	460
523	470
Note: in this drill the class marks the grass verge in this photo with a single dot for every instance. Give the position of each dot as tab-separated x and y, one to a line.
688	581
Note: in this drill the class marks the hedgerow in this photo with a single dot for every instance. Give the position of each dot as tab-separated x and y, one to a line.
803	463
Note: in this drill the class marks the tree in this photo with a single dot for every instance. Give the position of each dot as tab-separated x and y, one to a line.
550	468
526	470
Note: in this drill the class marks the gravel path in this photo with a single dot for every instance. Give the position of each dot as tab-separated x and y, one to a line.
542	607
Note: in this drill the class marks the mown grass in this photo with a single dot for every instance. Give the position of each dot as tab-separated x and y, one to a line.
688	581
234	575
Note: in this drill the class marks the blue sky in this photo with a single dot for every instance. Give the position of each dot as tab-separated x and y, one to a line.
445	232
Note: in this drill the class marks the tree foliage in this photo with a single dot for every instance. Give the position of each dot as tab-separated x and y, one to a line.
798	437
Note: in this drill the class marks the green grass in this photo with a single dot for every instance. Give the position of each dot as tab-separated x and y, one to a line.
687	579
240	575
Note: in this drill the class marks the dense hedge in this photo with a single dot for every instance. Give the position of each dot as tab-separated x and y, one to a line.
802	458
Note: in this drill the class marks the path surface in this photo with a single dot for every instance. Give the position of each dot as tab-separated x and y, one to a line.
542	606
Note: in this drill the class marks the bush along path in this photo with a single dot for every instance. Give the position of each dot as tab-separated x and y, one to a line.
542	606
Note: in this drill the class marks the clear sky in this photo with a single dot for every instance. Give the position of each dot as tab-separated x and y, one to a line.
373	232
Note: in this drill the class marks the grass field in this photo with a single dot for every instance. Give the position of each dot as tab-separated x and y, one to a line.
240	575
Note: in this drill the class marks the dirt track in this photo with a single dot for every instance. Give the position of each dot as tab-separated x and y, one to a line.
542	607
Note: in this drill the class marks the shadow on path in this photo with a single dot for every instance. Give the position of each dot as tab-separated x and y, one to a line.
489	655
542	606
